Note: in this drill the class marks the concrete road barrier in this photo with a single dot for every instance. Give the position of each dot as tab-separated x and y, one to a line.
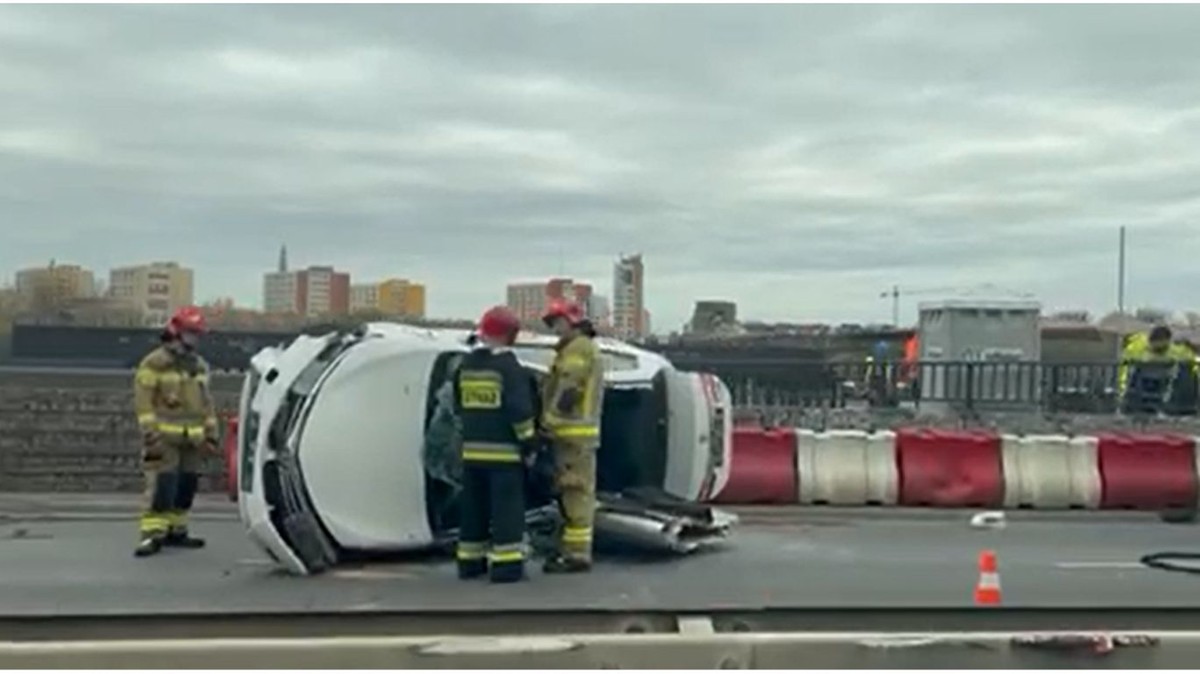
847	468
931	467
1051	471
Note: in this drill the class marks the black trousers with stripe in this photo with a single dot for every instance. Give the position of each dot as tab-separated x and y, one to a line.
492	528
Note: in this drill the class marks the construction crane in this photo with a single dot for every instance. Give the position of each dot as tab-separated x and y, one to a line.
897	291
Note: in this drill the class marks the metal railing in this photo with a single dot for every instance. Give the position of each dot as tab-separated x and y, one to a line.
1083	388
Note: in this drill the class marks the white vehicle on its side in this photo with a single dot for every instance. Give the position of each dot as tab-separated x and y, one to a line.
331	463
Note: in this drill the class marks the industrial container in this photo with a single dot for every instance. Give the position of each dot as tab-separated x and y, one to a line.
981	352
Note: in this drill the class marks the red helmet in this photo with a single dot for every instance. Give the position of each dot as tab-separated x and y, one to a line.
499	324
567	309
186	320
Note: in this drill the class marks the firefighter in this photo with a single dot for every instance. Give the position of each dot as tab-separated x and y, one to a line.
571	404
1151	365
177	419
494	403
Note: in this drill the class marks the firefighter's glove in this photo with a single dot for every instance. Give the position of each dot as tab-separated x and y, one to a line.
151	446
530	450
150	437
211	445
568	399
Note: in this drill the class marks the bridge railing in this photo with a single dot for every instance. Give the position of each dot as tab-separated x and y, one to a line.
1090	388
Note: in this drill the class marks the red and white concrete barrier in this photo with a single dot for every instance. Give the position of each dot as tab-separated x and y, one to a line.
1147	471
763	469
847	468
1051	471
969	469
948	469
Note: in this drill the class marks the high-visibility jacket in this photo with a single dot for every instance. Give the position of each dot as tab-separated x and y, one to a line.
574	393
493	398
1137	352
171	397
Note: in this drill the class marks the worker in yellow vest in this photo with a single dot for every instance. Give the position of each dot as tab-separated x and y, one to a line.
1151	364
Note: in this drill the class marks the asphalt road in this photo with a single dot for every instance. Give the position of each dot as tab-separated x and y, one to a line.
80	563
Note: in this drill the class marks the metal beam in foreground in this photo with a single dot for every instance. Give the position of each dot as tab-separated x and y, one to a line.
692	647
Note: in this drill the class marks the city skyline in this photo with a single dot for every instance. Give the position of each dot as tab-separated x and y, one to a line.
311	290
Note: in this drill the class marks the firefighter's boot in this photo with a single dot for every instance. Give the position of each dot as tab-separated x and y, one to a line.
507	572
150	545
472	568
182	539
565	564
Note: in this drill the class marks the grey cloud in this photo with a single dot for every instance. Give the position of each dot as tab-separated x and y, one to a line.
796	158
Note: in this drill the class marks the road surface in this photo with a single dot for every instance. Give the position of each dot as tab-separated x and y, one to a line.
77	561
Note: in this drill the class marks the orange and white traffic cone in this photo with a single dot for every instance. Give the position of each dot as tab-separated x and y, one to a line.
987	590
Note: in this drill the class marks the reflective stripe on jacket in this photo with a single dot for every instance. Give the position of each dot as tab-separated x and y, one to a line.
493	398
574	393
171	396
1137	351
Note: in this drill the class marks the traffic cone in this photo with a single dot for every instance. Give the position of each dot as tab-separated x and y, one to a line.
987	590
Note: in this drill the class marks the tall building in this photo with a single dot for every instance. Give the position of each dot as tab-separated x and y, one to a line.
401	297
54	284
600	311
155	290
529	299
393	297
364	297
629	316
10	304
313	292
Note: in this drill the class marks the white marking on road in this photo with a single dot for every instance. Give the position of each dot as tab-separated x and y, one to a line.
1100	565
371	574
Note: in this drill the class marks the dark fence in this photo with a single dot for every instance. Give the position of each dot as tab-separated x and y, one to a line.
761	376
64	346
1081	388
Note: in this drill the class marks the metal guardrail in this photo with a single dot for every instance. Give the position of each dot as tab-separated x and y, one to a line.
1081	388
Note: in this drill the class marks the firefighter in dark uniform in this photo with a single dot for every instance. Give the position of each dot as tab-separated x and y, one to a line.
495	405
178	421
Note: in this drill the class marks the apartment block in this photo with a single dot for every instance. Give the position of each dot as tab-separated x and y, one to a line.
401	297
313	292
55	284
529	299
393	297
155	290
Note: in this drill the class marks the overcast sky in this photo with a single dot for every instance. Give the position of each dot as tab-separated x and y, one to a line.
798	160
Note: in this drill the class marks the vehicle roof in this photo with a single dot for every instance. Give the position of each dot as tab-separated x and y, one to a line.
625	362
